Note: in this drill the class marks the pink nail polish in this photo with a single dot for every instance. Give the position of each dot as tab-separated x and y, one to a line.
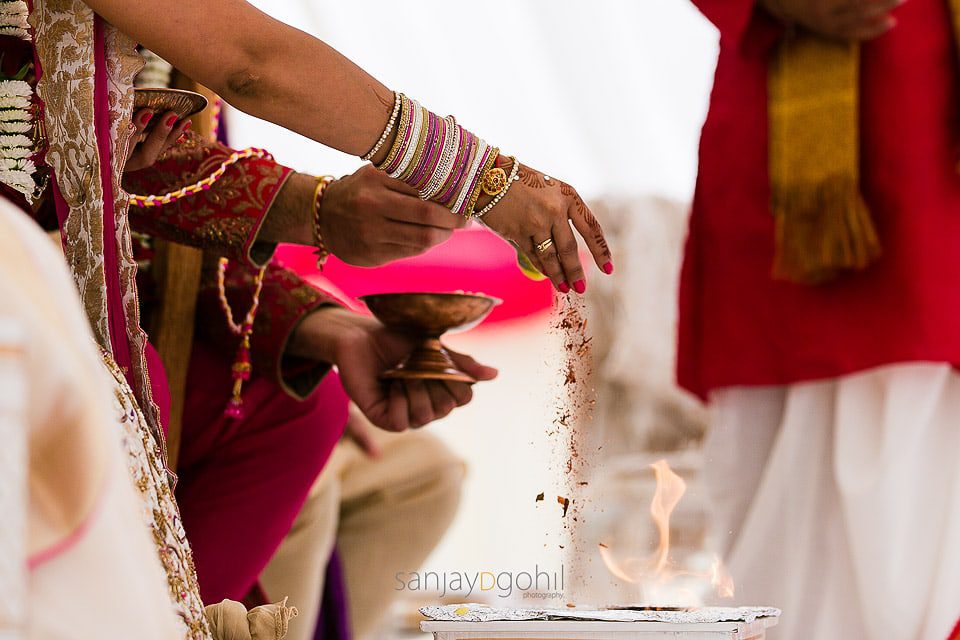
579	286
608	268
172	120
564	287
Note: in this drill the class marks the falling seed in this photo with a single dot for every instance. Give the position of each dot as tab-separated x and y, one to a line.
565	503
539	497
570	605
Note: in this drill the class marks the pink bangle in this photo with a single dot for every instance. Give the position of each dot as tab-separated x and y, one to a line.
436	154
467	148
427	152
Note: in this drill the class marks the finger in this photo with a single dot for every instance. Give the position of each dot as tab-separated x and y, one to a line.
174	138
141	119
397	185
406	208
442	400
471	367
421	408
589	228
153	146
568	253
461	392
865	8
871	29
418	236
399	409
549	262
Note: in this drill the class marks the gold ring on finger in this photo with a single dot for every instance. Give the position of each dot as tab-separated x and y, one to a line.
546	244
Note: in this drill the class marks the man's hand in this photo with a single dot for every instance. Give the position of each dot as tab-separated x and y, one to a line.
145	148
368	219
842	19
362	349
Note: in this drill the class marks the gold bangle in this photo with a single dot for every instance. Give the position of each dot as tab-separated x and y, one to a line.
472	203
494	181
322	252
420	149
513	177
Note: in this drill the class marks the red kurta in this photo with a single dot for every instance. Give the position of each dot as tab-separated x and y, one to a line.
740	327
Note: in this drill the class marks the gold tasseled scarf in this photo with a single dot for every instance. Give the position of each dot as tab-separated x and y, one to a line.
823	225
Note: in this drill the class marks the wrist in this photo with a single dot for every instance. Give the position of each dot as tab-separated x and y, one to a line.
290	217
323	334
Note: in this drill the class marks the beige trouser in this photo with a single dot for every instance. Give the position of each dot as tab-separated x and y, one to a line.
385	515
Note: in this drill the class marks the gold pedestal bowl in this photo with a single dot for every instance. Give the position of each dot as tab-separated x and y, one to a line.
427	316
182	102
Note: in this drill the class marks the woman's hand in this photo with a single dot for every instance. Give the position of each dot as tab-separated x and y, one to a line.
145	148
368	219
841	19
362	349
536	215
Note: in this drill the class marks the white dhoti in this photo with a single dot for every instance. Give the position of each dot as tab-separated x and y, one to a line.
839	501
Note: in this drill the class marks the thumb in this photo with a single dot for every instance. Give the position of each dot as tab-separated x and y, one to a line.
470	366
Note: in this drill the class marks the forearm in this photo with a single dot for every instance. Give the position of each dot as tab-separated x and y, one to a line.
261	66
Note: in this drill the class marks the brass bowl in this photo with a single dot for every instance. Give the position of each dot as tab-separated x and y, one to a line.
427	316
183	103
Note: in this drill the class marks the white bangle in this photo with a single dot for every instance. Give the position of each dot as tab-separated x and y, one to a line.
461	200
411	150
397	100
445	166
514	176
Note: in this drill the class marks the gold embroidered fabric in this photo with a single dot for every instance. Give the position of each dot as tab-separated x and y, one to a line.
64	40
146	466
123	65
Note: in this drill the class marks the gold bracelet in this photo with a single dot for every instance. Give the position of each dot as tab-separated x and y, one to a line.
472	204
513	177
322	252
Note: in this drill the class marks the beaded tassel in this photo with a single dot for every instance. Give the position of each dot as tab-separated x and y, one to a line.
242	367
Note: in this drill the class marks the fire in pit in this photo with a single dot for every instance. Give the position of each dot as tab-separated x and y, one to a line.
661	581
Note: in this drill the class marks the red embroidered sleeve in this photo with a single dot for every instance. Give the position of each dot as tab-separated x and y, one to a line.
284	301
224	219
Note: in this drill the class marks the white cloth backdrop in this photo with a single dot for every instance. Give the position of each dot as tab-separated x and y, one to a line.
608	95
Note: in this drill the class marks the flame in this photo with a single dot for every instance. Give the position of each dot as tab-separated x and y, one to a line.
670	488
657	576
721	579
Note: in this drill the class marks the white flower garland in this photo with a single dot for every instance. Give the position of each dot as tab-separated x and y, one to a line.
13	19
17	147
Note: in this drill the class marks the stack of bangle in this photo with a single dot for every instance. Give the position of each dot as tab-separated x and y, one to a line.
440	159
